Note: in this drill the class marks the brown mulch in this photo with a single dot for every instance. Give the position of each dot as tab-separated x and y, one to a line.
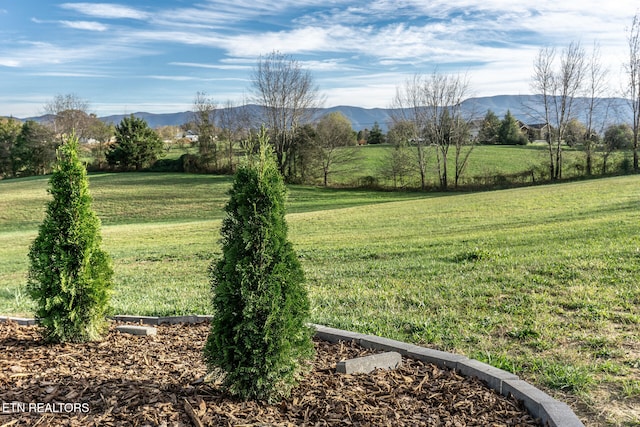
153	381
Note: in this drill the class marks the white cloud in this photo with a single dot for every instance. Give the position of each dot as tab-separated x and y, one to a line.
70	74
44	54
211	66
328	65
9	62
172	78
107	10
209	39
85	25
304	40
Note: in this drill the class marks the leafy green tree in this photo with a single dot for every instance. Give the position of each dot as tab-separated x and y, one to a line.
35	151
509	132
490	128
616	137
305	161
401	132
9	133
376	136
101	134
576	133
70	276
362	136
258	335
334	144
619	136
137	145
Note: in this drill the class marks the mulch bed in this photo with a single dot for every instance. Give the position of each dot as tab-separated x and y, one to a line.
154	381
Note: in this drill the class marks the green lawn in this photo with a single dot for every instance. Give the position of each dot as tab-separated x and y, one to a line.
541	281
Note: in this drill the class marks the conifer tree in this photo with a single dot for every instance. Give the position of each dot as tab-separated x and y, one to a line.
258	335
509	132
489	131
70	276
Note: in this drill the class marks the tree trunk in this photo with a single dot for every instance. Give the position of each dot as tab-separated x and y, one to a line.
635	152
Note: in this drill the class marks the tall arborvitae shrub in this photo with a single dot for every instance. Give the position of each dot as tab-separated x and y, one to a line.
258	336
70	276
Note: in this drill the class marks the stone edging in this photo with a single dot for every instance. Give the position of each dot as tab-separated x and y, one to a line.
540	405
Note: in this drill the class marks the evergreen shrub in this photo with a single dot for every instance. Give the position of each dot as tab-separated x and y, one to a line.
259	338
70	276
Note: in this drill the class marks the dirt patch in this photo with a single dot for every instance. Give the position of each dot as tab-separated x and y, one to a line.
153	380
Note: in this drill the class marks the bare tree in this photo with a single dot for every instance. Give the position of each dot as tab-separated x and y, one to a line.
569	83
234	122
543	83
447	124
204	110
69	115
289	97
596	94
399	162
410	113
434	104
633	89
559	90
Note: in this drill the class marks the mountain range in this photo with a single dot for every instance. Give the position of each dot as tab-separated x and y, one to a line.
526	108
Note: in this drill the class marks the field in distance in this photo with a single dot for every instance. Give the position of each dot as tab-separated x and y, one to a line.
540	281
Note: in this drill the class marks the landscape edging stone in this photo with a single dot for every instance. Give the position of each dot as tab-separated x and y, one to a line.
540	405
491	375
137	330
366	364
18	320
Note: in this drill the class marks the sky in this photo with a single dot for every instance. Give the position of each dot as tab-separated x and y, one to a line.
156	55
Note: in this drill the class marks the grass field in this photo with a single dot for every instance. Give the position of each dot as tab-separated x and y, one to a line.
485	162
541	281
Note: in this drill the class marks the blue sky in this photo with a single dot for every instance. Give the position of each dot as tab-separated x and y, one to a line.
155	55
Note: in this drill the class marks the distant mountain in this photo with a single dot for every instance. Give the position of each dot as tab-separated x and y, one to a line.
154	120
523	107
362	118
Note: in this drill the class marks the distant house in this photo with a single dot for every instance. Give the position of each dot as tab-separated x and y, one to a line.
191	136
475	126
525	129
537	131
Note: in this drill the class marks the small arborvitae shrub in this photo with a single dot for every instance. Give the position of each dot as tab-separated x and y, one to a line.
70	276
259	337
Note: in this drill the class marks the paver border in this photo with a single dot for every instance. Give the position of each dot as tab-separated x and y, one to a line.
540	405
